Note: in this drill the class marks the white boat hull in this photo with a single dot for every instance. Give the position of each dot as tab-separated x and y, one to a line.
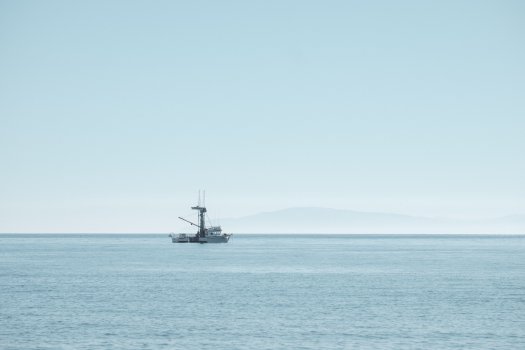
185	238
216	239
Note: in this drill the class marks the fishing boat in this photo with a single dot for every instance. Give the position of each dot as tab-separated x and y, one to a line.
211	234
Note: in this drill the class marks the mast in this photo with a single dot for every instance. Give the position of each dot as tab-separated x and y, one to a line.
202	210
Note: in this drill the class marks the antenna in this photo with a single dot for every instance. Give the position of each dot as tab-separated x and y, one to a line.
204	198
199	199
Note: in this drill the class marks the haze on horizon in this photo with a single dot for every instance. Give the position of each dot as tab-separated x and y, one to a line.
114	114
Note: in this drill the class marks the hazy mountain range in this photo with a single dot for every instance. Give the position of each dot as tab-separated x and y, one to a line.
325	220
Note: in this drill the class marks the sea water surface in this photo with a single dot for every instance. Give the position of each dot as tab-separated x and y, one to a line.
262	292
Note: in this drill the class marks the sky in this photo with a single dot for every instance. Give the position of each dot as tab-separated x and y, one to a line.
113	114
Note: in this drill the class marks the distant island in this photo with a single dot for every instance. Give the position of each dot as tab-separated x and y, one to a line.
326	220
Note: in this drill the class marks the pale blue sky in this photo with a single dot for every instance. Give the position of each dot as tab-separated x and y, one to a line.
114	113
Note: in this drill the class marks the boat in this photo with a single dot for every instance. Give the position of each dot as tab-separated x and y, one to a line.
211	234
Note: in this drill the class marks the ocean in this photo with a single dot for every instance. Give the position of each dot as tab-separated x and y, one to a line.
262	292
